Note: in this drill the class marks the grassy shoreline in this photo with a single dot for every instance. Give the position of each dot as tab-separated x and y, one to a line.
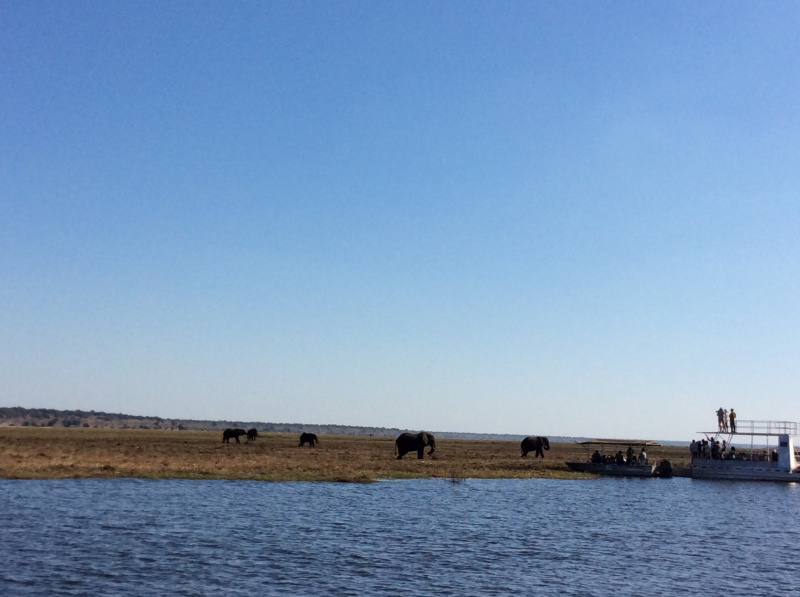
61	453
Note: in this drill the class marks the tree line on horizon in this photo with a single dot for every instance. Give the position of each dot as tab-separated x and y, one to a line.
18	416
49	417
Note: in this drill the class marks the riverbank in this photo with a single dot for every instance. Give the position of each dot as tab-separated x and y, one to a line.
57	453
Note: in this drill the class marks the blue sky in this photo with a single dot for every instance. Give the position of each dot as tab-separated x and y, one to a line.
510	217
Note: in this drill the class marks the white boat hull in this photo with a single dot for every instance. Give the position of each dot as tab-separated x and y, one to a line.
737	470
615	470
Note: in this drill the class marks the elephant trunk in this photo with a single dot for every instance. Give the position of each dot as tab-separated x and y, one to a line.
432	444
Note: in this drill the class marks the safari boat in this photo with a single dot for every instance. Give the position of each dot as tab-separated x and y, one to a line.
760	462
609	467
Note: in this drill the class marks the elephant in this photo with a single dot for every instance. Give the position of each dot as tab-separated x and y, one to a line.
531	444
308	438
252	434
410	442
232	433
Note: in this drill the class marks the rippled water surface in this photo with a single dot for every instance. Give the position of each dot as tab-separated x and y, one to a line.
500	537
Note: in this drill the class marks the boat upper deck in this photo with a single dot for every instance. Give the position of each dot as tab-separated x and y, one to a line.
761	428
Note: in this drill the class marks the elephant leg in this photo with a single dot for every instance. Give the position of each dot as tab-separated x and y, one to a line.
237	440
420	453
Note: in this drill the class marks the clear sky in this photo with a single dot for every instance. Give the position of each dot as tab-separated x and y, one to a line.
559	218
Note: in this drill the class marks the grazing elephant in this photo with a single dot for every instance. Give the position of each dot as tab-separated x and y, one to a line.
409	442
252	434
309	438
531	444
232	433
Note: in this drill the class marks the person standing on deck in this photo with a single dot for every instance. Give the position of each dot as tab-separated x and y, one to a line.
732	418
720	418
725	420
693	450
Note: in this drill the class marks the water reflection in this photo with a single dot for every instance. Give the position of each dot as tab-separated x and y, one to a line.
535	537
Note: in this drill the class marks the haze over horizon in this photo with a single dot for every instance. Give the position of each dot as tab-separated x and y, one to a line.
571	219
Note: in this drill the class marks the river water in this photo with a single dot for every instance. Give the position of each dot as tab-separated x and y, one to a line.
480	537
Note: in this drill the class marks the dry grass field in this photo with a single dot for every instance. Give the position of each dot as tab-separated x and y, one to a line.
52	453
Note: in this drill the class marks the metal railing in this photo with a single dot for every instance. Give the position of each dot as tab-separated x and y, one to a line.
744	426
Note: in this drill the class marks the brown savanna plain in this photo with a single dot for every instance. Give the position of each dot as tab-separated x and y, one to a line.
57	453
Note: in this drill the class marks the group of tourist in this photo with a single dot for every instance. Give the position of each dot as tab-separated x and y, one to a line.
726	421
620	458
712	450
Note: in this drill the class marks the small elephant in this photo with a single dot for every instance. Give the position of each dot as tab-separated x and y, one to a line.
308	438
232	433
410	442
252	434
534	444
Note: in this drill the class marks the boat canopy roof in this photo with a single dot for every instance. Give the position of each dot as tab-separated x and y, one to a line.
619	442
